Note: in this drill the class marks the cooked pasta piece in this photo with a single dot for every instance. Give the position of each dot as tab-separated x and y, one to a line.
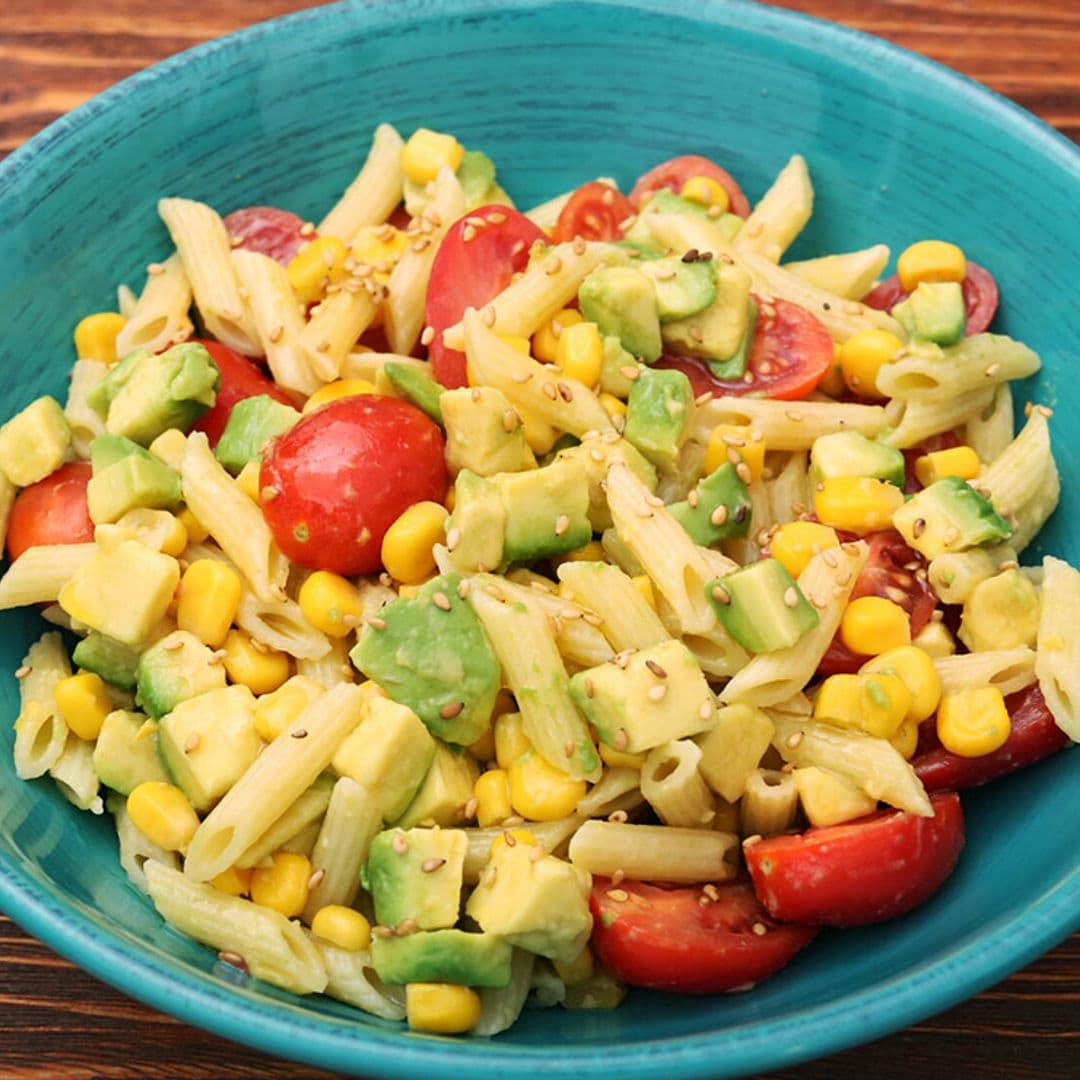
39	573
770	803
625	617
780	214
375	191
787	425
309	807
989	433
912	421
86	425
334	328
1008	670
352	979
40	731
674	788
159	317
850	275
1057	647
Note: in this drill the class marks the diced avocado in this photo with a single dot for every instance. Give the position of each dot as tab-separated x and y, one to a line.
176	668
148	393
667	202
849	453
433	656
935	311
733	749
682	288
949	515
476	528
706	523
484	434
660	695
442	956
114	661
617	362
659	413
446	790
736	364
34	442
1001	612
597	454
621	301
417	386
828	798
717	332
417	874
761	606
541	905
546	510
135	481
252	422
106	450
126	752
208	742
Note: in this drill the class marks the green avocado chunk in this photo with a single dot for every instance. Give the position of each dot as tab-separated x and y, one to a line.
682	288
621	301
252	422
949	515
735	366
849	453
126	477
477	420
717	332
658	415
706	523
114	661
176	668
126	752
935	311
416	874
446	956
417	386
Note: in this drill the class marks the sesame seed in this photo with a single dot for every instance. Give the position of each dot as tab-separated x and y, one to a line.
510	420
521	376
918	528
453	538
643	512
316	879
568	748
192	743
375	622
276	334
565	392
793	416
454	708
791	596
703	901
654	500
665	273
468	811
721	595
23	671
629	371
233	959
742	471
590	689
618	817
621	740
794	739
441	601
553	266
705	710
696	334
429	866
829	558
299	733
618	422
620	896
428	336
952	534
850	548
562	523
550	391
468	233
406	927
399	843
382	931
487	316
592	618
719	515
596	454
711	891
155	268
656	693
463	588
323	346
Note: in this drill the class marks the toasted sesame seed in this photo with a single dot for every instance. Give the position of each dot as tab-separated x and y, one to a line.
299	733
510	420
566	392
791	596
918	528
441	601
553	266
487	316
453	538
705	710
375	622
406	927
721	595
621	740
550	391
429	866
454	708
399	842
952	534
233	959
629	371
656	693
617	817
23	671
192	743
719	515
794	739
316	879
829	557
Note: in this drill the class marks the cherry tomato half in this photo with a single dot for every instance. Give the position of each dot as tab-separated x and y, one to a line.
594	212
267	230
864	871
980	297
674	173
468	273
52	511
663	938
332	485
791	354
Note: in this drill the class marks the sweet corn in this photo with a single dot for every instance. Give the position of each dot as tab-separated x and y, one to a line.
380	246
973	722
643	584
510	837
545	342
247	480
319	264
876	704
342	926
861	358
95	336
441	1008
407	546
930	260
484	747
707	191
283	885
517	341
577	970
916	671
196	531
959	461
162	813
620	759
593	551
735	443
209	598
260	671
427	151
580	352
794	544
541	792
158	529
857	504
872	625
84	702
511	742
340	388
492	794
235	881
834	384
330	603
906	740
612	405
276	711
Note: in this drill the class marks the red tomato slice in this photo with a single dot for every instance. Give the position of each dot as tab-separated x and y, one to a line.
468	273
980	297
666	939
333	485
267	230
52	511
1033	736
240	379
865	871
674	173
594	212
791	354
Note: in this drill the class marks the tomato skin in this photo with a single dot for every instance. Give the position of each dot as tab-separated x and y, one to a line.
267	230
980	297
52	511
468	273
594	212
344	474
664	939
865	871
672	174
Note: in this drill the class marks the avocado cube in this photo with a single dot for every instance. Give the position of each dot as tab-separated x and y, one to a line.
761	606
850	453
447	788
176	668
935	311
417	874
659	413
616	369
660	695
478	523
949	515
126	752
252	423
547	510
706	523
477	439
115	662
106	450
34	442
682	288
717	332
596	455
132	482
621	301
417	386
442	956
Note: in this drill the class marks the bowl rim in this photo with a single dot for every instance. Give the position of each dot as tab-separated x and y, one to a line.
199	998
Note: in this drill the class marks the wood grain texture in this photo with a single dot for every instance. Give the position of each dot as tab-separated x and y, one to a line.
57	1021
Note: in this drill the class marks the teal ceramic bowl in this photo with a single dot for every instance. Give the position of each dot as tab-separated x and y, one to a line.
557	93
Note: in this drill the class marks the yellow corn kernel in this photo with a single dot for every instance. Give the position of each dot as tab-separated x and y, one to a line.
541	792
283	885
973	722
276	711
707	191
510	837
857	504
643	584
259	668
406	548
545	342
247	480
580	352
862	357
441	1008
593	551
511	742
427	151
343	927
84	702
613	406
916	671
833	384
796	543
236	881
209	598
314	267
484	747
492	794
935	639
379	246
408	592
330	603
95	336
959	461
176	538
876	704
340	388
162	813
517	341
735	443
620	759
906	740
577	970
930	260
196	531
872	625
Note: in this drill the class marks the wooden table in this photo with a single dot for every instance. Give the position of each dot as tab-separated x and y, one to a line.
57	1021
